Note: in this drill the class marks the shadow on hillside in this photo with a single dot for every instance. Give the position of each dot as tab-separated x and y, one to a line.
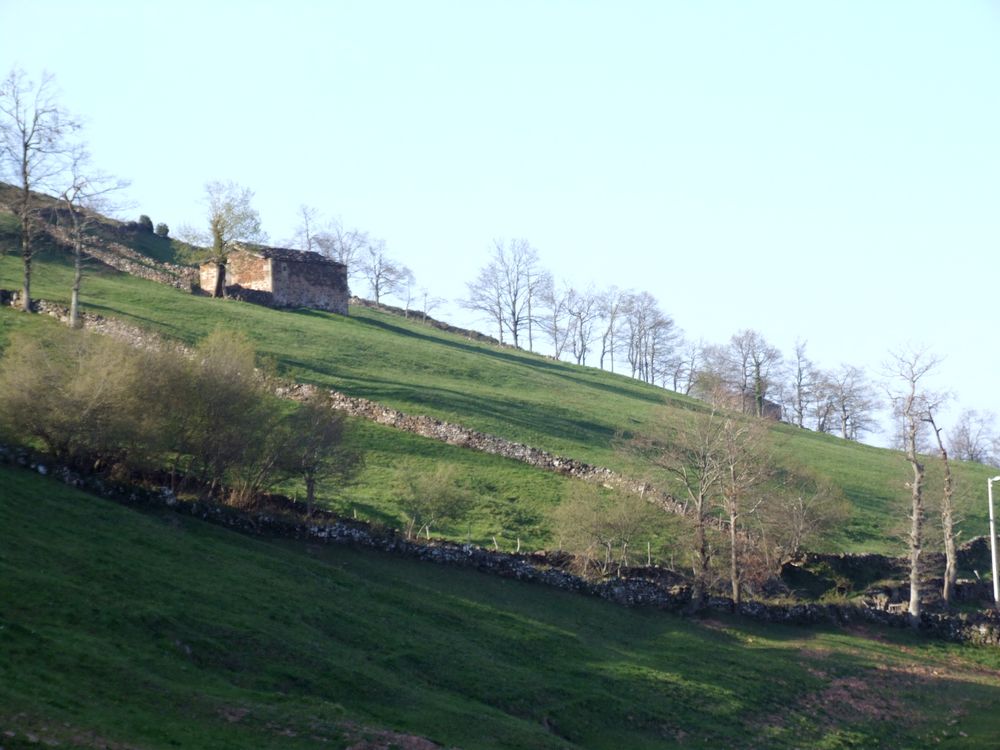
532	361
536	418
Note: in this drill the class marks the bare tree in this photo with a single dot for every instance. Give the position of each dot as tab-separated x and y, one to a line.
610	305
507	287
691	453
686	365
582	311
305	233
384	274
555	322
908	367
744	468
651	336
345	246
33	132
428	303
947	517
847	398
755	363
83	195
485	296
972	437
803	384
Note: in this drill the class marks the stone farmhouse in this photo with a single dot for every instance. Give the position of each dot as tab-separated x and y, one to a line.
279	277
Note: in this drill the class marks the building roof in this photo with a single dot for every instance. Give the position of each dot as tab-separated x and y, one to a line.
286	255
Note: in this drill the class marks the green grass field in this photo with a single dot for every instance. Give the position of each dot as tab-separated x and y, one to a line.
147	630
570	410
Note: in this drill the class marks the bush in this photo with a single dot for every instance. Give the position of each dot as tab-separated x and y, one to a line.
74	393
145	223
162	230
209	419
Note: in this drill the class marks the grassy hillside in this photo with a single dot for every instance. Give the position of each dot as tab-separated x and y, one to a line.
574	411
119	628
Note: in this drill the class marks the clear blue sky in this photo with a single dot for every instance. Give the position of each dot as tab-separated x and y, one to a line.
823	170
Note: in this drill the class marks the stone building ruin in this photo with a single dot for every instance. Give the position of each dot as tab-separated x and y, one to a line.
279	277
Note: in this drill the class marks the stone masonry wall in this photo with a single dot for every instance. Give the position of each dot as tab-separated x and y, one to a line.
249	271
322	286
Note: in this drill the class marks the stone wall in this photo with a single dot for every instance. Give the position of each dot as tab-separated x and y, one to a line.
125	259
641	588
248	271
318	285
418	316
455	434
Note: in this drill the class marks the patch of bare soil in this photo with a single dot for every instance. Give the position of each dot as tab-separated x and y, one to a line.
363	738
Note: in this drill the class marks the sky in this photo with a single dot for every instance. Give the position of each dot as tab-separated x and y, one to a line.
823	171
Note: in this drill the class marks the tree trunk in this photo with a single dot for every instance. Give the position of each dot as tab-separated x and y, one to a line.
947	521
74	300
734	567
220	279
26	286
916	537
700	563
310	493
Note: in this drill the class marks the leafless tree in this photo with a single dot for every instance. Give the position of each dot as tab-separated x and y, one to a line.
582	310
756	363
846	398
553	299
743	371
85	192
385	275
744	468
686	365
907	368
972	437
485	296
506	288
802	388
428	303
947	516
345	246
610	305
650	336
33	139
690	453
305	233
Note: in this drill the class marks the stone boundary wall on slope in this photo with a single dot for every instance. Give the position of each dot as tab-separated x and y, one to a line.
637	590
428	427
113	327
419	317
454	434
125	259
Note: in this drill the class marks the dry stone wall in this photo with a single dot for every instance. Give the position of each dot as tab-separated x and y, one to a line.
641	588
125	259
455	434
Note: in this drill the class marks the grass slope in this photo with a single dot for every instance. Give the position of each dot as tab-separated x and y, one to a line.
575	411
157	631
